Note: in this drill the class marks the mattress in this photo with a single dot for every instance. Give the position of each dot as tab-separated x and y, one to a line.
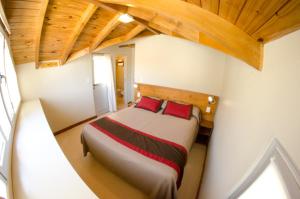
152	177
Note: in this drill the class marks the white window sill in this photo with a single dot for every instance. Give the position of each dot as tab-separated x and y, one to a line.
39	167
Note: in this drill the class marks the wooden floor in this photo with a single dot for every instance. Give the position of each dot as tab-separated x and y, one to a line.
107	185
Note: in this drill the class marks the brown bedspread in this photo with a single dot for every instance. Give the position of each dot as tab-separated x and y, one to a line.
144	128
164	151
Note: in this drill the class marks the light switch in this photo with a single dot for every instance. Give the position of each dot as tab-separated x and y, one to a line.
207	109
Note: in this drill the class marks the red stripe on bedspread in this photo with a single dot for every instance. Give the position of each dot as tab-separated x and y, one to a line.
172	164
151	136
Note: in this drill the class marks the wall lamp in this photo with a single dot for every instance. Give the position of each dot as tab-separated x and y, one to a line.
137	90
211	99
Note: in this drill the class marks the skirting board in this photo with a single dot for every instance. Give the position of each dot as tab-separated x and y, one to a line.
74	125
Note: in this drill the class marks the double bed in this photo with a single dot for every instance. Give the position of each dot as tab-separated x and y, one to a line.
153	152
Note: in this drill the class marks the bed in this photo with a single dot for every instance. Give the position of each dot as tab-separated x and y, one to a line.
157	178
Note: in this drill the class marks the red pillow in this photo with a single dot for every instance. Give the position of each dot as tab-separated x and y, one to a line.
178	110
150	104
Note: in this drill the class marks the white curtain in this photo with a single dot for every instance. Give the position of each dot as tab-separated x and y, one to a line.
111	92
103	74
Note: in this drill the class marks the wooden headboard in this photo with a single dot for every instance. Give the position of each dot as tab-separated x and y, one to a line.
198	99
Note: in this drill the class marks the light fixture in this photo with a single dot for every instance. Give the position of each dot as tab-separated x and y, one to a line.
135	85
126	18
211	99
138	94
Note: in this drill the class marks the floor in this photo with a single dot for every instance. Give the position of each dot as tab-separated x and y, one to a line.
107	185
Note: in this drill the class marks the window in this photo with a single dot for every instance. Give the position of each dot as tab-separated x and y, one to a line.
275	176
9	103
268	185
3	188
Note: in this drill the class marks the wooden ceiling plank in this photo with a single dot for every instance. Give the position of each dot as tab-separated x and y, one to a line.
93	28
134	32
206	22
111	42
211	5
196	2
120	11
231	9
257	12
57	31
121	30
22	12
110	26
88	13
286	20
22	5
40	22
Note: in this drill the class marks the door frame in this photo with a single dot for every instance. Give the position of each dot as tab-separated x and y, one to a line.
125	76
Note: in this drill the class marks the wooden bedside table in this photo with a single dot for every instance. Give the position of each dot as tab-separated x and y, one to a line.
130	103
205	131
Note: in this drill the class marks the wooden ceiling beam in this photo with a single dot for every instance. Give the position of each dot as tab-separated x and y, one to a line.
135	31
84	19
221	31
107	6
121	11
78	54
50	63
143	23
109	27
40	23
172	28
179	30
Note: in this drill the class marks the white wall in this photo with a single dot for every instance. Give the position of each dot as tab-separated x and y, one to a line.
255	107
66	92
173	62
115	51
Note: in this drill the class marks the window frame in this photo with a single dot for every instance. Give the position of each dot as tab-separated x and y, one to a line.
5	169
275	154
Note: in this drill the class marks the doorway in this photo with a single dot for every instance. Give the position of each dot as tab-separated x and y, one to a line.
103	84
120	82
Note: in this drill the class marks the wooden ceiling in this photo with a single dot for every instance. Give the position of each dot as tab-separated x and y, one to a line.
54	32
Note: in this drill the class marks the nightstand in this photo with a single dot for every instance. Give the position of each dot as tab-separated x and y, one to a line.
130	103
205	131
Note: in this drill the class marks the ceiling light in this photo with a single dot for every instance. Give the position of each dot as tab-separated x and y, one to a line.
126	18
